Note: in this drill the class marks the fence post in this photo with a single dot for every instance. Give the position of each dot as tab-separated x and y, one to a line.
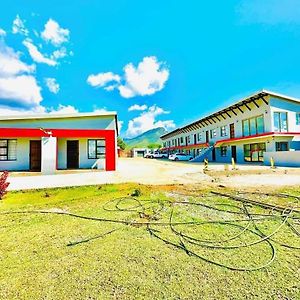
272	163
205	164
233	164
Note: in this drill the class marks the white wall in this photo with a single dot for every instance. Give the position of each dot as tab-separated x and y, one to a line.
283	158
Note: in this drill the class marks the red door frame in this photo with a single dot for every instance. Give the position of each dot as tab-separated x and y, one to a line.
108	134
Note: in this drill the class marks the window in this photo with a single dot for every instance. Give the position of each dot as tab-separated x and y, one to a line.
188	139
280	122
254	152
8	150
223	131
223	151
181	140
298	118
213	133
199	136
96	148
282	146
253	126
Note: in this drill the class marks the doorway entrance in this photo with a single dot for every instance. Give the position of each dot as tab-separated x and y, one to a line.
72	154
233	152
213	154
232	134
35	155
207	136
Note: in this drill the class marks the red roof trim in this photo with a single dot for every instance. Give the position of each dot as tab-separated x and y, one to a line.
36	132
202	145
255	136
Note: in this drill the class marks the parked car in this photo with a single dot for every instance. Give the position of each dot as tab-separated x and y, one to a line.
148	155
158	154
180	156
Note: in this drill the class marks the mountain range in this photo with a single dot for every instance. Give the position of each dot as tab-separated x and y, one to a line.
145	139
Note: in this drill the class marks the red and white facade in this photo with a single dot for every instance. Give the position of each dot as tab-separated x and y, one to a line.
47	143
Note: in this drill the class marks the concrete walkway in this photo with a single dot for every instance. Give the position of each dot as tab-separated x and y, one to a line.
139	170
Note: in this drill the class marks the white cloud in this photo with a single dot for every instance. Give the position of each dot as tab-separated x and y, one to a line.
52	85
54	33
36	55
147	120
63	109
10	63
102	79
100	110
11	111
17	86
269	11
22	89
2	32
19	26
57	54
137	107
149	77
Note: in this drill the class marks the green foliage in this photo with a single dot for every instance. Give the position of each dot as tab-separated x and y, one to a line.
121	143
154	146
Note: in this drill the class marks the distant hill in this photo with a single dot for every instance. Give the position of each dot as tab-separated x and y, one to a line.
149	137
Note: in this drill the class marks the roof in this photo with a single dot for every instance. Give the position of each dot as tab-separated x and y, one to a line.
57	116
210	119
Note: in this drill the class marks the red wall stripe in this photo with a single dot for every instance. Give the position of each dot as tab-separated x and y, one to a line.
108	134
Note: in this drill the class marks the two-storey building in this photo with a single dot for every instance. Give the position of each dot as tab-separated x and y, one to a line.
254	129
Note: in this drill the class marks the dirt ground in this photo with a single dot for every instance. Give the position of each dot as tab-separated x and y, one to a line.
159	172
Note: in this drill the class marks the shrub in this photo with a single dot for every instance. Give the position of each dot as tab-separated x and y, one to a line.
3	184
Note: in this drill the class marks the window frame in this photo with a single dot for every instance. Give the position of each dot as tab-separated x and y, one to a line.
280	129
297	118
223	151
199	136
213	133
96	149
223	131
8	158
278	146
247	122
260	152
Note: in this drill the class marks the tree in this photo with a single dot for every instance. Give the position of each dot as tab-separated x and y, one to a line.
121	143
3	184
154	146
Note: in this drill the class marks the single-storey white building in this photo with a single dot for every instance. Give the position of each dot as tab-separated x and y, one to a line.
50	142
252	130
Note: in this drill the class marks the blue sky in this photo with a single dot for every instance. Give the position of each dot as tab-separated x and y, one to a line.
157	63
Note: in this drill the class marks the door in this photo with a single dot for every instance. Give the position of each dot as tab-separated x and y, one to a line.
35	155
207	137
232	130
233	152
195	139
213	154
72	154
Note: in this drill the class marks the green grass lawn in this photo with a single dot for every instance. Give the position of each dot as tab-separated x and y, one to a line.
126	261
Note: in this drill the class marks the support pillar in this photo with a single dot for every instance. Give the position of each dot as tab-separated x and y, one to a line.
49	154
